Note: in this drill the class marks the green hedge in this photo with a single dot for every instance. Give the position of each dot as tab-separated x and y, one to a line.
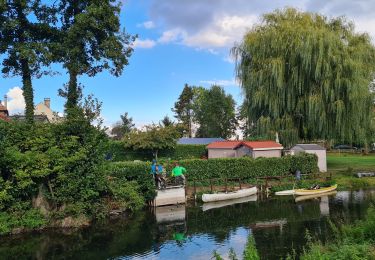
134	171
197	169
185	151
118	152
246	167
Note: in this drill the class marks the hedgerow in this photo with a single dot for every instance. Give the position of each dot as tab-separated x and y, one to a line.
197	169
117	152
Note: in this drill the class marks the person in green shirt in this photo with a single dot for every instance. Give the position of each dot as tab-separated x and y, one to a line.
178	173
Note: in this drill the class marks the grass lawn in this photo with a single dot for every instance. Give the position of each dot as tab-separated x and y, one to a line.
344	165
344	161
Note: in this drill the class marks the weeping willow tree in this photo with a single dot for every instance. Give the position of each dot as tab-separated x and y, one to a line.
307	77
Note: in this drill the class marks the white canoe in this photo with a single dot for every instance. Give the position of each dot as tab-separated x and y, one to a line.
229	195
225	203
302	192
285	192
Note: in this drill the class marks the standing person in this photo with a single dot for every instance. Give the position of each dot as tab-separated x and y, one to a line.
178	172
154	172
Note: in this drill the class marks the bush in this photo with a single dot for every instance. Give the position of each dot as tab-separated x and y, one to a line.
117	152
185	151
28	219
134	171
197	169
249	168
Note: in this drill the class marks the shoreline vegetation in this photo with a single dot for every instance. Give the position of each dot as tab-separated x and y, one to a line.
44	164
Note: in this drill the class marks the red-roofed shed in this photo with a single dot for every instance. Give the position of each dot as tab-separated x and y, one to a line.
255	149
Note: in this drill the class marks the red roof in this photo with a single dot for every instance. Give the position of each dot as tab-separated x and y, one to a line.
224	145
251	144
262	144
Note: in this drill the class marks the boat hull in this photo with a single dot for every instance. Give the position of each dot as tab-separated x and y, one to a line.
225	203
303	192
285	192
315	196
230	195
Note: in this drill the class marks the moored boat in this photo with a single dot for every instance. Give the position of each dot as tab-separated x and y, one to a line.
229	195
285	192
315	196
225	203
302	192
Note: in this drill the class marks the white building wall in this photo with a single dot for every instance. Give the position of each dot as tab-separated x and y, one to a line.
267	153
221	153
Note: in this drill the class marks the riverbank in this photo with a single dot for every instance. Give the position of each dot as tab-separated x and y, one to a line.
193	232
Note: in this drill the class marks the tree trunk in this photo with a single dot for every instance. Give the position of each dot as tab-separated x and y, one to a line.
72	95
28	92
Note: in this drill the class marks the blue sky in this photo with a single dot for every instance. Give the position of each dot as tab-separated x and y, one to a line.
179	42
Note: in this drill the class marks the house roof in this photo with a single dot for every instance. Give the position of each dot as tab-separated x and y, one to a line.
37	118
254	145
308	147
224	145
197	141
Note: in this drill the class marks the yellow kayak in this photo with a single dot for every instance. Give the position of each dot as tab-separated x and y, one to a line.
301	192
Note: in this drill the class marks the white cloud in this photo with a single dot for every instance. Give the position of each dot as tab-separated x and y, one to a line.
16	101
147	25
144	44
220	82
223	32
171	35
202	25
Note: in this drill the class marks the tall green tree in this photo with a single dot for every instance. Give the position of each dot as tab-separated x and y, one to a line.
90	40
215	113
166	122
123	127
306	77
183	108
154	139
24	37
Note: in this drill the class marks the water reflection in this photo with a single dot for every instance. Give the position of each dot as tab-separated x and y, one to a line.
193	232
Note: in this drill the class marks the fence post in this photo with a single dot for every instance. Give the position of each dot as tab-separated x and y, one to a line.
195	188
239	180
226	184
211	184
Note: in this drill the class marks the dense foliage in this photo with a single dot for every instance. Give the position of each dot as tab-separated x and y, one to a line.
307	77
211	109
117	152
123	127
134	171
23	45
245	168
214	112
61	165
183	108
351	242
154	139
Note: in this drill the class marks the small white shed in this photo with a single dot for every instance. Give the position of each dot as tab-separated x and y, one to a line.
313	149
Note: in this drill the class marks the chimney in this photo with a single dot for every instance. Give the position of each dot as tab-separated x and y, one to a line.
47	102
6	101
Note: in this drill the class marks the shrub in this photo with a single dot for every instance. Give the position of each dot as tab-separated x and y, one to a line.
117	152
134	171
197	169
29	219
249	168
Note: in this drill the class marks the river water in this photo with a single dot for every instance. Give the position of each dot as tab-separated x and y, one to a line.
278	224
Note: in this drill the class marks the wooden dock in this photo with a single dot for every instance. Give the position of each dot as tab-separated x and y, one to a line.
170	196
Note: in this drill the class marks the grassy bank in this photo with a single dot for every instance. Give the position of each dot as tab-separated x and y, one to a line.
343	166
343	161
351	242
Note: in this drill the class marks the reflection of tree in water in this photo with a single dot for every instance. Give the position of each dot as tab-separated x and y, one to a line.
142	234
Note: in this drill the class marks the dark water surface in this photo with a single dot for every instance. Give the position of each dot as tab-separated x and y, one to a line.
278	225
